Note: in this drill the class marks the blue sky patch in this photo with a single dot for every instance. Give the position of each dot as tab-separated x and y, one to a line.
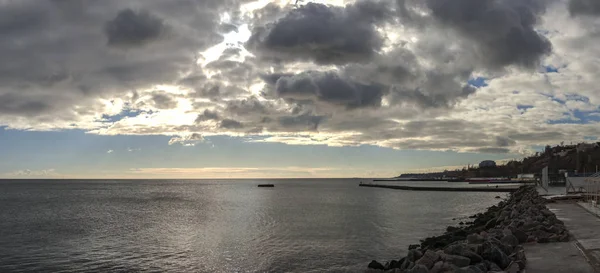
550	69
524	107
124	114
478	82
576	97
578	117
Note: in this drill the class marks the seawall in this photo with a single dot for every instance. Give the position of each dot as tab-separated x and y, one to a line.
492	242
465	189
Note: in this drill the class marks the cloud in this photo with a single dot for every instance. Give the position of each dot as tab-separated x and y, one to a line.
130	28
110	151
33	173
208	115
502	30
584	7
394	74
322	33
231	124
163	101
187	140
328	87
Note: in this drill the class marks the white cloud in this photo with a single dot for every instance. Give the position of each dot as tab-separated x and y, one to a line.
45	173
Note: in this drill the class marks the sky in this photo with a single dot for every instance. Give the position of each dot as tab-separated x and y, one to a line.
255	88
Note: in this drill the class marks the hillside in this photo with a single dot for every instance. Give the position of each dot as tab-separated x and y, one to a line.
582	157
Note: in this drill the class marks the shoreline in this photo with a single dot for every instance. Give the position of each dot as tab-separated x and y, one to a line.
492	242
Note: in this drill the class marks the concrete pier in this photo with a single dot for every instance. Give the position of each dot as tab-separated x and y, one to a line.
580	255
437	188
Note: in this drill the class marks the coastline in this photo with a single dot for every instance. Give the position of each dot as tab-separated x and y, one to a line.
493	241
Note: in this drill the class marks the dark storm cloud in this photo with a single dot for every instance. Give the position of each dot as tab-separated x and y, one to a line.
207	115
305	122
16	104
248	106
231	124
324	34
133	28
584	7
55	52
329	87
503	30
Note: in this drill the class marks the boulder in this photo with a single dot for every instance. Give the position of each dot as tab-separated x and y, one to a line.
469	269
492	253
414	255
437	267
376	265
473	257
490	224
475	239
457	260
455	249
513	268
491	266
407	264
418	269
428	259
510	240
521	235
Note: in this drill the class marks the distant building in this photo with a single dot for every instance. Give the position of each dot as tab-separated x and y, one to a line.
487	164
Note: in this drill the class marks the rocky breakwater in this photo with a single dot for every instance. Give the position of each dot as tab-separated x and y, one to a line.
492	242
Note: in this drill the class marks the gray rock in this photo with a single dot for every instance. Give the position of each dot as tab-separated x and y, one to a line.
475	239
375	265
414	255
407	264
474	257
459	261
521	235
513	268
494	254
455	249
428	259
469	269
418	269
510	240
490	224
437	267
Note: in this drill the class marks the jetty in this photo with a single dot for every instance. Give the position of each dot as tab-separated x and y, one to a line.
437	188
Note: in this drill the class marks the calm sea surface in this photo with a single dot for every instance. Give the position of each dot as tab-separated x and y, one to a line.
312	225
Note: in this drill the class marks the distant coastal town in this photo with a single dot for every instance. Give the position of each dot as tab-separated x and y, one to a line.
574	159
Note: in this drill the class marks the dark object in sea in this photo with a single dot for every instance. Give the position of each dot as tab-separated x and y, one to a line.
266	185
497	197
375	265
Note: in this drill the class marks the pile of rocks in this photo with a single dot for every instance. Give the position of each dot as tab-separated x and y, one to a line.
491	243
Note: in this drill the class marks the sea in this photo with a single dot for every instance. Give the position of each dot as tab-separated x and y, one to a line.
300	225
